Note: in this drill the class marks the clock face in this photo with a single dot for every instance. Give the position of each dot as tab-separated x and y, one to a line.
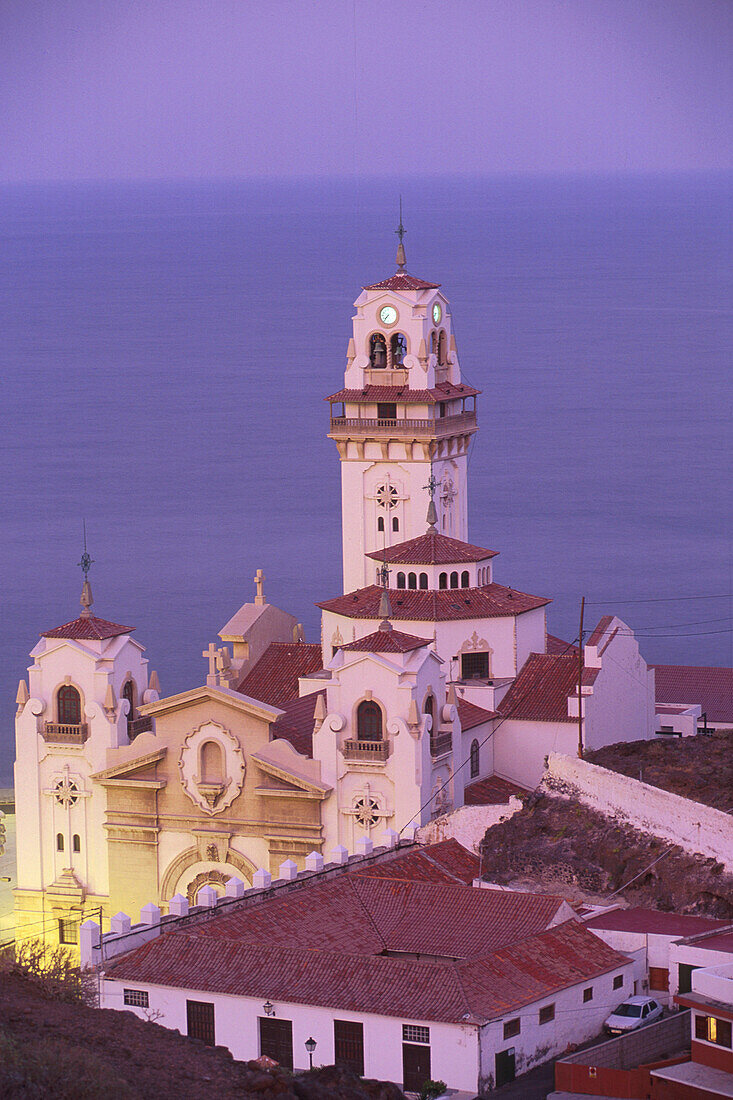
388	315
437	313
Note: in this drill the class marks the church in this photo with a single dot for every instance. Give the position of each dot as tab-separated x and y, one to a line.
433	684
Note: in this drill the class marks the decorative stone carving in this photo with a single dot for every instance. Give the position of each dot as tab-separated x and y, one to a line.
212	794
475	643
212	853
206	878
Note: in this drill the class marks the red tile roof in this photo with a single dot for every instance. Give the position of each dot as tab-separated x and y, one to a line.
492	601
442	391
492	791
711	687
601	627
274	677
654	922
402	281
388	641
471	715
477	990
540	691
296	723
558	646
88	628
444	862
432	548
721	942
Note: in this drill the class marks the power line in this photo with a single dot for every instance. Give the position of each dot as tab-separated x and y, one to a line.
661	599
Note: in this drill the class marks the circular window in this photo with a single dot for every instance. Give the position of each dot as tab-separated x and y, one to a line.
387	496
66	792
366	811
388	315
437	313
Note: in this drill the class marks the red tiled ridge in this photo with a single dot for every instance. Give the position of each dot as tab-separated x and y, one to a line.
402	281
711	687
492	791
88	628
492	601
470	715
296	723
540	691
274	677
432	548
388	641
558	647
445	862
654	922
479	989
602	626
443	391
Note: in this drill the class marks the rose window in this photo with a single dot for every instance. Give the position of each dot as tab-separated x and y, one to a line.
387	496
366	811
66	792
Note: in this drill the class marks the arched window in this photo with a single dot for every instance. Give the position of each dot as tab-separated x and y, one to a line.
398	347
424	581
443	580
464	579
59	842
429	707
377	351
433	343
368	721
400	580
395	523
454	579
212	762
442	348
69	706
412	580
474	759
380	523
128	692
76	843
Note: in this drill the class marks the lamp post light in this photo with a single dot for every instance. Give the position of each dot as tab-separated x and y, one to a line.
310	1046
268	1009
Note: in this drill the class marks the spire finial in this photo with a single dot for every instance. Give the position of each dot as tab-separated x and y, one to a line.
87	561
431	486
400	231
385	608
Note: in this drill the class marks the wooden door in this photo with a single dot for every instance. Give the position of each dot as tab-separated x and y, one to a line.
348	1040
276	1040
200	1019
415	1066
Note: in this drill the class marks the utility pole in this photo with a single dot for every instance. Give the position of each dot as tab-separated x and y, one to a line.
580	681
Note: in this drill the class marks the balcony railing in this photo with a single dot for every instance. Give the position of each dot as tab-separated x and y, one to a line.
441	743
139	725
366	751
440	426
65	734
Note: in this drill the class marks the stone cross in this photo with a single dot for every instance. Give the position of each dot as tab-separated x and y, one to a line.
260	583
212	653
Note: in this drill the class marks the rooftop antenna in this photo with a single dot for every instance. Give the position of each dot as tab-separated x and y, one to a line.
400	231
86	563
431	486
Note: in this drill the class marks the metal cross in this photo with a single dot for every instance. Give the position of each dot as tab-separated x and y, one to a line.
384	572
432	484
87	561
400	230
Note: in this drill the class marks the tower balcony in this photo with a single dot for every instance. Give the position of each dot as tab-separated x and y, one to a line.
441	743
61	733
366	752
346	427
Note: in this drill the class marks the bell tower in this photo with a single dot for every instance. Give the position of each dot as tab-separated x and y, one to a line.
404	417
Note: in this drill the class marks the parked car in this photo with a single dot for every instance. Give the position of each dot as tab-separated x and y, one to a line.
634	1012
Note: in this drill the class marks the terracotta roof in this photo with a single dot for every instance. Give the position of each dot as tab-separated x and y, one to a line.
492	601
540	691
711	687
274	677
492	791
671	708
445	862
479	989
402	281
601	627
388	641
432	548
470	715
88	628
558	647
296	723
654	922
723	941
443	391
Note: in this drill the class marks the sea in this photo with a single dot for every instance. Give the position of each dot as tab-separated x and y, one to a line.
165	349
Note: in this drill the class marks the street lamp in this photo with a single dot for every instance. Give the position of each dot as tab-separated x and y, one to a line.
310	1046
268	1008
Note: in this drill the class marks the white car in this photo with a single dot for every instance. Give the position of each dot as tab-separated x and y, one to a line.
634	1012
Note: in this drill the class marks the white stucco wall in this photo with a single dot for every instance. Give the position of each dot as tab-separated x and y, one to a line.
521	747
621	707
695	827
693	955
467	825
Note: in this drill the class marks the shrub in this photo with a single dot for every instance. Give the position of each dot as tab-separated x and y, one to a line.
432	1089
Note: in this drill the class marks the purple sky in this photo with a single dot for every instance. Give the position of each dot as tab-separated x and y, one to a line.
194	88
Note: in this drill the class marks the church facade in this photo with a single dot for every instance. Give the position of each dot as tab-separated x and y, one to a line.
430	677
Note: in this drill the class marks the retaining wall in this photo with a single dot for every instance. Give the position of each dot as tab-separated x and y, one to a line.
467	824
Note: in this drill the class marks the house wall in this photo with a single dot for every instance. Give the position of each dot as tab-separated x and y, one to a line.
649	949
453	1047
695	827
521	747
621	707
692	955
467	825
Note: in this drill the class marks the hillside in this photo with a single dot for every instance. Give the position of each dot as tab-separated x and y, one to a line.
73	1052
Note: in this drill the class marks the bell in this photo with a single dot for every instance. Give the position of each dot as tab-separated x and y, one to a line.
379	356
